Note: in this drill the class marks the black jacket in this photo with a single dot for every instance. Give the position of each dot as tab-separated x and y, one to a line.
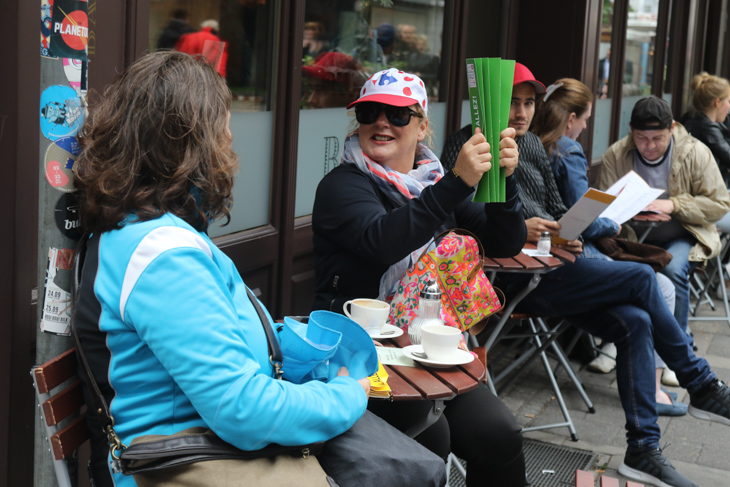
714	135
359	233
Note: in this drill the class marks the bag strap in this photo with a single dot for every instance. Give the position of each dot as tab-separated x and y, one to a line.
275	355
102	408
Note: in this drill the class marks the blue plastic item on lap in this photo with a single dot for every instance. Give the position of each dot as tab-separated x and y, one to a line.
356	350
306	348
316	350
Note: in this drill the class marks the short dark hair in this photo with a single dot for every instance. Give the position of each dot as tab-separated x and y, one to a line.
157	142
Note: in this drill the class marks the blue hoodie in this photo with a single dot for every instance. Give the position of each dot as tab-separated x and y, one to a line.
175	342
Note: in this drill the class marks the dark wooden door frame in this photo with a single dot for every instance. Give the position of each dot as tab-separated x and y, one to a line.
19	244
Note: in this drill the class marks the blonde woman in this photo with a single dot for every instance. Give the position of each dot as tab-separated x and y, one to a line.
706	122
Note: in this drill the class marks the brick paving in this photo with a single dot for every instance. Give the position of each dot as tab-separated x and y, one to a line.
699	449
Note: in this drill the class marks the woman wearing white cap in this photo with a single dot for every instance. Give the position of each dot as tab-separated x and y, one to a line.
390	197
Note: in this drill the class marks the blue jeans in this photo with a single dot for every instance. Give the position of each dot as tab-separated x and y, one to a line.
678	272
620	302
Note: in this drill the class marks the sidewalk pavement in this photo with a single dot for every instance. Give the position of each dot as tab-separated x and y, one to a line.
698	449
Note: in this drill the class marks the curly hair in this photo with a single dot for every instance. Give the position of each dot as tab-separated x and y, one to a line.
551	116
157	142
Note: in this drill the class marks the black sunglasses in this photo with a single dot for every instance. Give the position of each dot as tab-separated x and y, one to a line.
368	112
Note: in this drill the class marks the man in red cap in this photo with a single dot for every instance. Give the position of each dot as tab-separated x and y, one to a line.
618	301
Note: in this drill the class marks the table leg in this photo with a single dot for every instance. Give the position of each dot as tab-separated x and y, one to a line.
645	234
534	281
433	415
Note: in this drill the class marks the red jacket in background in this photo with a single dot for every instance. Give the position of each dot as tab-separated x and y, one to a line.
205	42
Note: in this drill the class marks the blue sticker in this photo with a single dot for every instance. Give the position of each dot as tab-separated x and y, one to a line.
62	113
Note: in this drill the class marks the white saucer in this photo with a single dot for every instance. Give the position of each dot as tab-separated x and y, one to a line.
388	331
460	357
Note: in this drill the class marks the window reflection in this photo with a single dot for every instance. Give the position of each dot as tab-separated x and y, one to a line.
234	36
602	106
346	41
640	44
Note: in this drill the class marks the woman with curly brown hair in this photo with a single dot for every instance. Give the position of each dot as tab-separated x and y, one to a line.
166	322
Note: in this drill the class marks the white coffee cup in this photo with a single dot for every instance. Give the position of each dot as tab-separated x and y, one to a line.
440	342
371	314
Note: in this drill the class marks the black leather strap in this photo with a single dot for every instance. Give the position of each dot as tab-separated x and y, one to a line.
275	355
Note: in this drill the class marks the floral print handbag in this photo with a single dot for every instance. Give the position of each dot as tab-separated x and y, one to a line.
467	296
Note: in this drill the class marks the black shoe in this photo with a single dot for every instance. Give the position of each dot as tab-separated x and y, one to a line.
712	402
652	468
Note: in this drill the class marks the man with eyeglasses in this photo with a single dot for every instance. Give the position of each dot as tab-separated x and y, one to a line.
665	155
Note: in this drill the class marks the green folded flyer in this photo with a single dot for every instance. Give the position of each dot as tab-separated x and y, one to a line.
490	93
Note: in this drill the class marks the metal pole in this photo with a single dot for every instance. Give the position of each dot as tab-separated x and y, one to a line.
59	110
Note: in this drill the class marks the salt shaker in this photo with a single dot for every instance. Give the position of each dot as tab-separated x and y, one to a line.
543	244
429	311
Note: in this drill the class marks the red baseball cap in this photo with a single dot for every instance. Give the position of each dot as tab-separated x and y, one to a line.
524	75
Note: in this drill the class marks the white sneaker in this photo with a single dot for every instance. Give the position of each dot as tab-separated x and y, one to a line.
606	360
669	378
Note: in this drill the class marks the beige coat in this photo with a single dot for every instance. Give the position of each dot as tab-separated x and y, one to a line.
695	187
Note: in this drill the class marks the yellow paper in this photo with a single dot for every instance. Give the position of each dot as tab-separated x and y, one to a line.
379	383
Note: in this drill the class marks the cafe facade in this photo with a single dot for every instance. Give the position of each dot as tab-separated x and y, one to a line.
287	140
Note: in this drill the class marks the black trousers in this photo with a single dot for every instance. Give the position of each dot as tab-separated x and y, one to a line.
475	426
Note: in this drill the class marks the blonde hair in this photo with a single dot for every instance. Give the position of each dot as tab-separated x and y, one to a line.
551	117
708	88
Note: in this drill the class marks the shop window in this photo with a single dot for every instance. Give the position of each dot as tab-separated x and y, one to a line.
602	104
237	38
639	58
344	42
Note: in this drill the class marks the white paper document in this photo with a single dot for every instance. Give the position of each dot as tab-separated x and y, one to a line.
632	195
582	214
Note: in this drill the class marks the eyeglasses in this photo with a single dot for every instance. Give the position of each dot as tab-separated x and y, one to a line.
368	112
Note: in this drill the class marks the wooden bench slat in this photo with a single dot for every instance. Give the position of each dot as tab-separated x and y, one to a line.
56	371
584	479
63	404
609	482
70	438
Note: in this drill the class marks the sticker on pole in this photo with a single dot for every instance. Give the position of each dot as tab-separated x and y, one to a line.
59	162
46	26
62	112
70	29
56	317
76	74
67	216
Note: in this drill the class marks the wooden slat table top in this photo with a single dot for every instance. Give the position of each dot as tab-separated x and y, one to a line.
509	264
651	217
528	262
419	382
525	263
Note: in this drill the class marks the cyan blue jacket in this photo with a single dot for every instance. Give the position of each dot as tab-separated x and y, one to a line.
570	167
174	342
